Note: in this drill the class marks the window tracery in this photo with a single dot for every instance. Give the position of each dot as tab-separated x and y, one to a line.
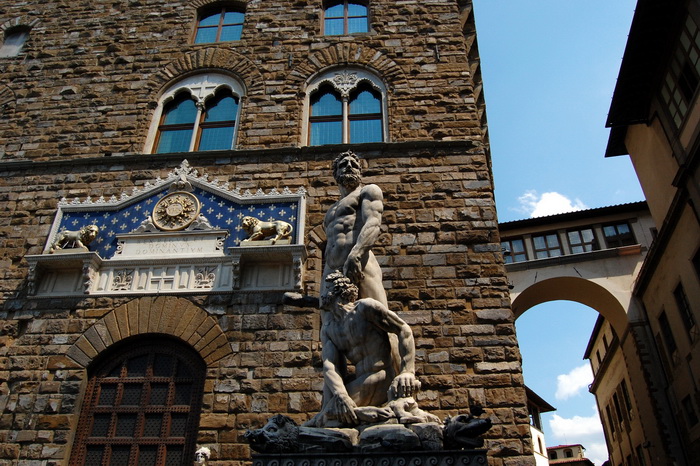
198	113
346	106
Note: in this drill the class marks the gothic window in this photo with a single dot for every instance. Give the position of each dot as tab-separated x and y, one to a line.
222	23
345	17
13	41
346	106
197	114
141	406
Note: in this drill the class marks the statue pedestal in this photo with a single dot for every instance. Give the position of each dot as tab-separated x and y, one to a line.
386	458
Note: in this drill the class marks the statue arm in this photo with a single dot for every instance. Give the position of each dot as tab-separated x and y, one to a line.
371	209
405	383
340	403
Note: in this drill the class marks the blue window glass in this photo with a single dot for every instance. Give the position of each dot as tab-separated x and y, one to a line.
210	20
216	138
180	110
218	121
345	17
365	116
205	35
365	101
365	131
326	132
177	125
326	121
326	102
223	25
334	26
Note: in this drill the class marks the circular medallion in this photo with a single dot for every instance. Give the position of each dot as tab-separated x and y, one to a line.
176	211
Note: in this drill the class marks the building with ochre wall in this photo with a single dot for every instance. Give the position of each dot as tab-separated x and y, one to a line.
148	130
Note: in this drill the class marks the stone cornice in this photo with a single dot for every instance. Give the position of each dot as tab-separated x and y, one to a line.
366	151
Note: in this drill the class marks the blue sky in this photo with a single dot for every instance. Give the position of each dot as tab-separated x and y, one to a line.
549	69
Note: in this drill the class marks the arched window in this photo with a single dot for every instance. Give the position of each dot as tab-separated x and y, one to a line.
345	17
221	23
197	114
14	41
142	405
346	106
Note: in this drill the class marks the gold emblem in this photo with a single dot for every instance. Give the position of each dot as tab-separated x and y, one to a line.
176	211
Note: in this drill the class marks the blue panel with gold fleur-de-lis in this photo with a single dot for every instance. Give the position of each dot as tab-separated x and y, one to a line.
223	211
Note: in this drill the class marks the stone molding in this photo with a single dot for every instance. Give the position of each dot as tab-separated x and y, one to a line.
197	4
213	58
168	315
348	54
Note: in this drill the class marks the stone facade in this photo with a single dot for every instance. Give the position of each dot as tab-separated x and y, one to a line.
77	104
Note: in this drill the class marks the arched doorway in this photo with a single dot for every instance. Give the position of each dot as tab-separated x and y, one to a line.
142	404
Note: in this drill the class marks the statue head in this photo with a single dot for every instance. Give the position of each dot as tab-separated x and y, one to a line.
202	455
346	170
339	289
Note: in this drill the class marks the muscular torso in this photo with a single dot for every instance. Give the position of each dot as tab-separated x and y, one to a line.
359	341
343	222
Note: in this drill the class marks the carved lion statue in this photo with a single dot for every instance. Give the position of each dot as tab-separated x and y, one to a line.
463	430
282	435
74	239
258	230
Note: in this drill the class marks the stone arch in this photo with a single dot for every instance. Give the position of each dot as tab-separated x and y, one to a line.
213	58
20	21
168	315
197	4
348	54
573	289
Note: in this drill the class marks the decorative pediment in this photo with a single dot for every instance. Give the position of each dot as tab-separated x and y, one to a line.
179	234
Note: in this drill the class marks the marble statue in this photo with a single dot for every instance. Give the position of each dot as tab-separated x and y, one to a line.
357	331
282	435
259	230
463	431
376	401
75	239
202	455
352	226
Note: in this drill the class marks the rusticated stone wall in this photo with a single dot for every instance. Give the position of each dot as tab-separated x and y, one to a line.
90	75
76	105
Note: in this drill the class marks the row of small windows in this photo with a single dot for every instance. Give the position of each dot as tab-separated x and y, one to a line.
200	113
578	241
225	23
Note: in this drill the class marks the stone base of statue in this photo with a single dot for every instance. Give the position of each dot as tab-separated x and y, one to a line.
402	458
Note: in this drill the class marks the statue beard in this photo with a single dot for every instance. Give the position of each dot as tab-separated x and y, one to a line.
348	180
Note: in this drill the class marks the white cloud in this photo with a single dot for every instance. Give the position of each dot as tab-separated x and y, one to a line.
596	452
587	431
539	205
575	428
571	384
